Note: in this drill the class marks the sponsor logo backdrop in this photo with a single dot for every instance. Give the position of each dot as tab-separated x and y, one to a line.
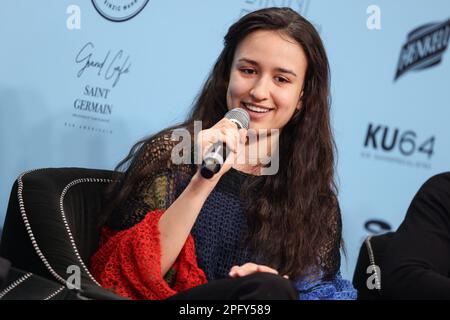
82	80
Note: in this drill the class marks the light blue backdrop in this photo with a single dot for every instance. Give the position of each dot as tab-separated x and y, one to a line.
169	48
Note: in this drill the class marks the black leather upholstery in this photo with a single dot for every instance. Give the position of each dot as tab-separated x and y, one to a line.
51	223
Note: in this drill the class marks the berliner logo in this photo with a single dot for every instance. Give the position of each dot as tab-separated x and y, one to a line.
119	10
424	47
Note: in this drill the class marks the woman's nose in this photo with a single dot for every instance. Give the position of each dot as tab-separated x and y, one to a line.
260	89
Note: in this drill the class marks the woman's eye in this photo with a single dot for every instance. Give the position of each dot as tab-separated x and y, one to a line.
282	80
247	71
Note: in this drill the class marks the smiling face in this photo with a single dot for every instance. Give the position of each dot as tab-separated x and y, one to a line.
266	78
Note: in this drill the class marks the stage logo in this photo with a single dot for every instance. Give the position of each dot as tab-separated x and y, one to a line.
396	145
119	10
377	226
424	47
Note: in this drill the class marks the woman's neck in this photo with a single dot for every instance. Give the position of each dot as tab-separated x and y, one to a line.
256	153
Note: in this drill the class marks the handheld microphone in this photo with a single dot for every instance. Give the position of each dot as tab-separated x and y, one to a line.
215	158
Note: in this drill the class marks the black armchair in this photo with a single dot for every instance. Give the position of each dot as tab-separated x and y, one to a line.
51	231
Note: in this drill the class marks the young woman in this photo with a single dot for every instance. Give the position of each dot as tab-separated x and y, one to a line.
169	230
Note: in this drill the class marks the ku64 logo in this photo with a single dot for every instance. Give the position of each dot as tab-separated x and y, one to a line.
389	139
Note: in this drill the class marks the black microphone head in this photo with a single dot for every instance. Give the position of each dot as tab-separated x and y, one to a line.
240	117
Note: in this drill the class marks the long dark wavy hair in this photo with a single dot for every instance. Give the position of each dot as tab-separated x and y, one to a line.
289	218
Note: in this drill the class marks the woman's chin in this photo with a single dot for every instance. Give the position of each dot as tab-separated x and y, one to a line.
260	128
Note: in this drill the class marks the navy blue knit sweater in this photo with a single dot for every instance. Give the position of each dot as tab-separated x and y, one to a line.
219	232
221	227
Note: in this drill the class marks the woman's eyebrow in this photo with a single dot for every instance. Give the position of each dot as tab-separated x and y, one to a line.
279	69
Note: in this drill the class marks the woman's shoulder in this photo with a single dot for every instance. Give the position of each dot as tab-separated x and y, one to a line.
159	151
158	145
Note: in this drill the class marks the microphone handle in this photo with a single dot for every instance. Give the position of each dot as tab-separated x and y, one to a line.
214	159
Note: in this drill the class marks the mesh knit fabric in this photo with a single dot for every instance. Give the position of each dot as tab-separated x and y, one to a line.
128	262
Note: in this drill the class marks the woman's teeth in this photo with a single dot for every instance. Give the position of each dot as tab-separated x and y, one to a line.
255	108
